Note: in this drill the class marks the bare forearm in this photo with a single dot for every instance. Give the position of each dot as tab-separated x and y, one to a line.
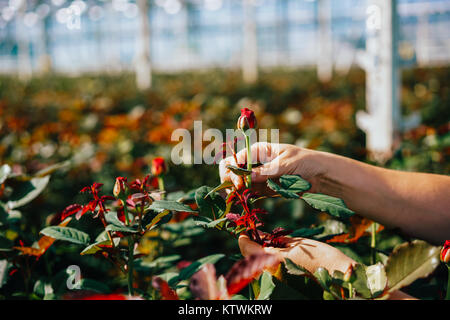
417	203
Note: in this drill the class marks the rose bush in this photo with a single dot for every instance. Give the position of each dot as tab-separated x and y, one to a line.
142	212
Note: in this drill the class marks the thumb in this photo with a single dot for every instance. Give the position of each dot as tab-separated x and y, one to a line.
249	247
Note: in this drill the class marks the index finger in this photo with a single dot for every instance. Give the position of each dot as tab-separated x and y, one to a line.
227	175
261	152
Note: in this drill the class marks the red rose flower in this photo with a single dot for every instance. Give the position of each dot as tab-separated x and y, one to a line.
158	166
120	187
445	252
247	120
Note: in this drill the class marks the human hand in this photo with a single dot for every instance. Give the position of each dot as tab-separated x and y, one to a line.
309	254
277	160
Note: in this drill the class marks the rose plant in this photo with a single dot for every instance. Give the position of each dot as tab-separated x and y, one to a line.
142	210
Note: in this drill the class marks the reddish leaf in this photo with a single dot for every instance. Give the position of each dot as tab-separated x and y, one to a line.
162	286
276	238
247	269
71	210
43	244
183	264
358	229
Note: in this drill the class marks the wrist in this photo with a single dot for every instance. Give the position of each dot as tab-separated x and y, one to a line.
326	172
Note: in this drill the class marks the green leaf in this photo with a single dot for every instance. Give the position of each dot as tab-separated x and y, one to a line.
239	171
189	271
282	291
210	224
213	206
284	193
266	287
323	277
27	191
307	232
102	236
5	171
4	267
157	219
122	228
295	269
66	234
409	262
95	247
111	218
160	205
294	183
158	263
333	206
39	288
370	281
168	276
376	279
223	185
186	197
291	185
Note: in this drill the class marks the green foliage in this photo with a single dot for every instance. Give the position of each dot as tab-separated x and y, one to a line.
291	185
239	171
95	247
334	206
66	234
170	205
307	232
210	204
410	261
370	281
101	127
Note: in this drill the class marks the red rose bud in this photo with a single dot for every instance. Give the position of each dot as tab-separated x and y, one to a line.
445	252
120	187
247	120
158	166
349	274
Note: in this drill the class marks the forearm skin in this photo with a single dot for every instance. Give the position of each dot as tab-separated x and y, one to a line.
416	203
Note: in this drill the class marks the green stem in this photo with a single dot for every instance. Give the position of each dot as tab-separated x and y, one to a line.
103	219
447	297
161	185
125	211
249	160
141	214
373	241
130	251
130	265
350	290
